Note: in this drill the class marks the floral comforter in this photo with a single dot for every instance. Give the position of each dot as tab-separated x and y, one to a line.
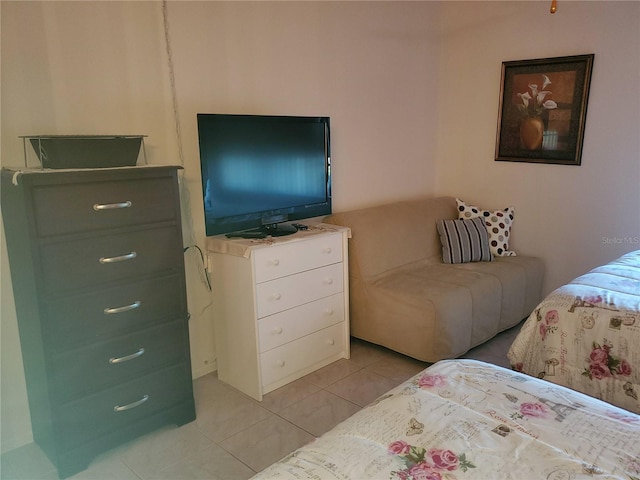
586	335
464	419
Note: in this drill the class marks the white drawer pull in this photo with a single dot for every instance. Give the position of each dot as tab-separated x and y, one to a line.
122	408
328	311
114	360
280	363
276	296
326	250
119	258
275	262
124	308
331	341
278	330
328	281
111	206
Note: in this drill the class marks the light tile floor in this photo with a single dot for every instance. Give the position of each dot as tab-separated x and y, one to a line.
235	436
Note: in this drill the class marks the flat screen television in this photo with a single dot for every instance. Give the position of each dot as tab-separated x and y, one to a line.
260	171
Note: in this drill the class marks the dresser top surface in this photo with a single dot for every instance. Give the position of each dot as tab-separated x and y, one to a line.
15	175
40	171
244	247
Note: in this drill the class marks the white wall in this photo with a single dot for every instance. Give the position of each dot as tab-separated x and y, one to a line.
411	88
574	217
102	67
370	66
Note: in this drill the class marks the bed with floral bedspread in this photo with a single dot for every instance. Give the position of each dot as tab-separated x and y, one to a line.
586	335
465	419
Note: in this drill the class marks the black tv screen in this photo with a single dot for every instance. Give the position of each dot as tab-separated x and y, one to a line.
261	170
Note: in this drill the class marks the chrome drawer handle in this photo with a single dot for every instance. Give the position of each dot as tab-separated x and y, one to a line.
122	408
124	308
119	258
111	206
114	360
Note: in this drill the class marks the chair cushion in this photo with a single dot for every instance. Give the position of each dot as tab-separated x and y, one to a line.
498	225
464	240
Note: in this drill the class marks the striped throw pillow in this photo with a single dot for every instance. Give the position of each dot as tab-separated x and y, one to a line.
464	240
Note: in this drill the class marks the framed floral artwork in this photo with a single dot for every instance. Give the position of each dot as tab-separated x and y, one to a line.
543	108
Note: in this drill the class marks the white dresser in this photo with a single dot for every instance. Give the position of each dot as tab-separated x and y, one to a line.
281	306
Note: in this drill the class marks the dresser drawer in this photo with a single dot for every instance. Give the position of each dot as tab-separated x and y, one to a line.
279	260
284	327
110	410
72	208
280	362
98	260
287	292
104	313
103	365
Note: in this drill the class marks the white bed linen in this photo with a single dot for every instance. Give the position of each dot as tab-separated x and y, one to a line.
464	419
586	335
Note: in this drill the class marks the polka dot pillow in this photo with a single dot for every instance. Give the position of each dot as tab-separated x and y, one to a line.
498	225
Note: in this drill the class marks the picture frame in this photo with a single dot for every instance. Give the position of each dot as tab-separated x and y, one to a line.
543	109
